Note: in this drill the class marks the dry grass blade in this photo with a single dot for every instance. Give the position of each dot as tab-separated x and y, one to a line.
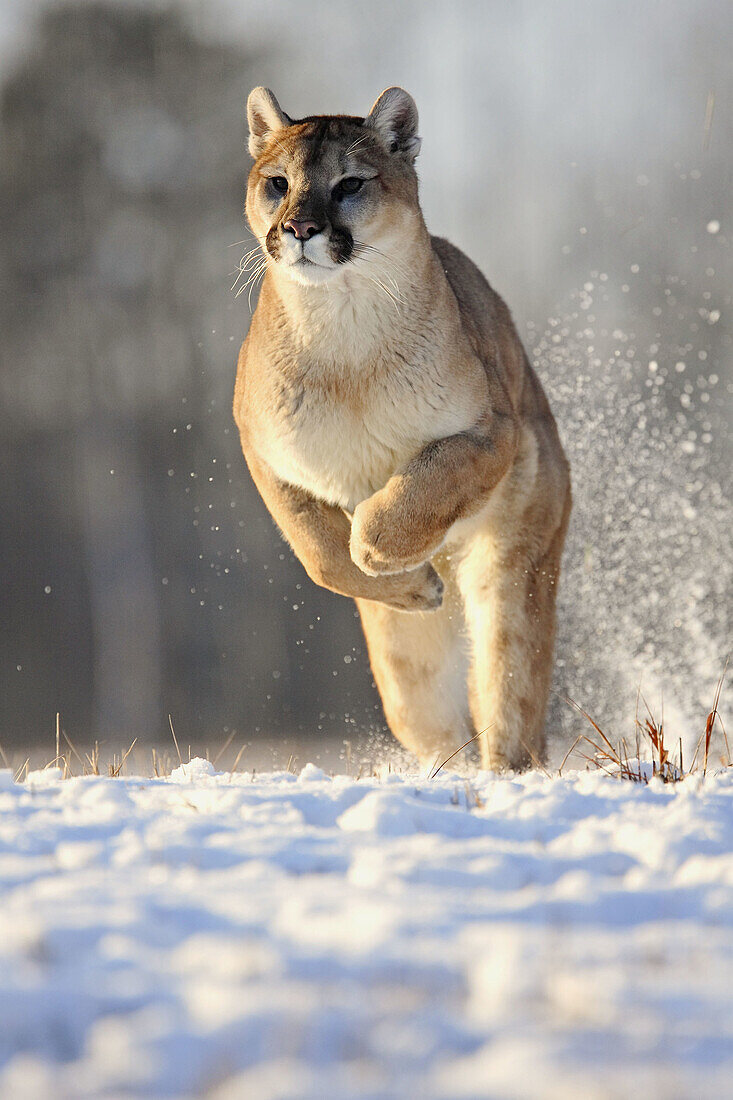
706	735
75	751
23	767
569	752
534	758
654	732
710	722
224	747
600	752
596	762
94	759
593	723
175	739
727	746
636	775
606	757
239	757
117	771
475	737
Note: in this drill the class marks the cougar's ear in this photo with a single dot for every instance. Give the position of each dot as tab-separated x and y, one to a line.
264	115
394	117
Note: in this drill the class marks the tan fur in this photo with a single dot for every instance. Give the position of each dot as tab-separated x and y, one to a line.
392	424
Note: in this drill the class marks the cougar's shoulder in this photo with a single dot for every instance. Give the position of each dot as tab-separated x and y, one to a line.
487	320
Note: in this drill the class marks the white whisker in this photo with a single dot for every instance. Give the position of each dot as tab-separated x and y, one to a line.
396	264
378	283
369	255
356	144
253	282
251	260
253	278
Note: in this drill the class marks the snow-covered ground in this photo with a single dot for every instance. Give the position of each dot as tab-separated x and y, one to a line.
282	936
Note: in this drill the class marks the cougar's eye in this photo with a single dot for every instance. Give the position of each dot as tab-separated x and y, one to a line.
349	186
279	183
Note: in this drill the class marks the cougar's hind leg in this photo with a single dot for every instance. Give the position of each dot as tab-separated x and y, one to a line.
420	664
509	592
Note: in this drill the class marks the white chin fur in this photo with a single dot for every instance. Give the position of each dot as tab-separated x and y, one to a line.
321	266
310	274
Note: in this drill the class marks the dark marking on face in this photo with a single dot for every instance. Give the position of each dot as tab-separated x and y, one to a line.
272	242
342	245
307	206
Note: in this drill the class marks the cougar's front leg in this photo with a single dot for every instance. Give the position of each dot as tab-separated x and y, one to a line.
404	524
319	535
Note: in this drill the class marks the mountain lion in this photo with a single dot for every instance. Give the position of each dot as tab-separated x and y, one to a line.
397	433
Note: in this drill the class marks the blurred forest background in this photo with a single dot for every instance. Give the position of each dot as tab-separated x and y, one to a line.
580	153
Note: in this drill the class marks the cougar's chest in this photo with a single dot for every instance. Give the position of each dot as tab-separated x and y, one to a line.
342	438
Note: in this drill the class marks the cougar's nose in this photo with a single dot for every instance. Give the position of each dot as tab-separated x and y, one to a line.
302	229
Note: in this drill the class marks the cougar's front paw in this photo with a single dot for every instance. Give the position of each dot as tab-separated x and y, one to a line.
384	543
373	544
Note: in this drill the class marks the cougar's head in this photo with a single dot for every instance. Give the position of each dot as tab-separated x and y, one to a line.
328	192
